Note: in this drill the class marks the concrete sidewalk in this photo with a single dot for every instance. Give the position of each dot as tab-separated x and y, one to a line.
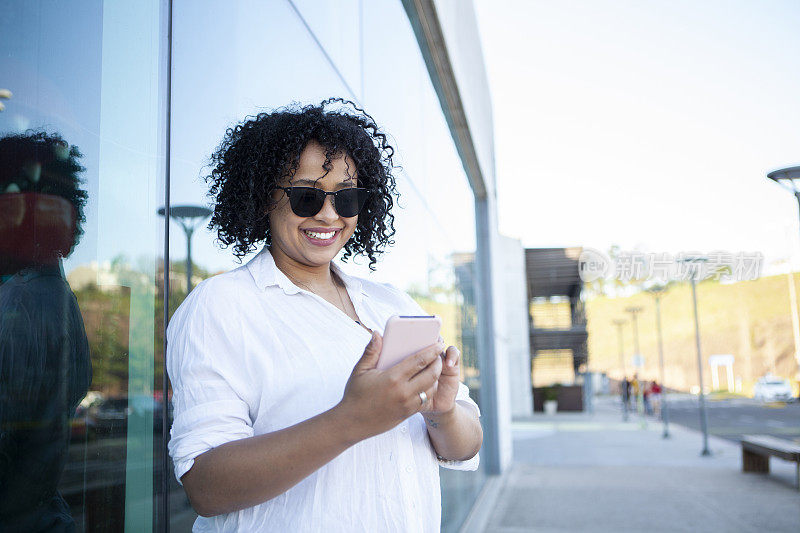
593	472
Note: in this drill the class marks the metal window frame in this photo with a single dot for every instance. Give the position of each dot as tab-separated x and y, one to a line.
427	27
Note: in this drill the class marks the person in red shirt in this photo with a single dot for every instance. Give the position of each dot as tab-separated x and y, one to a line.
655	396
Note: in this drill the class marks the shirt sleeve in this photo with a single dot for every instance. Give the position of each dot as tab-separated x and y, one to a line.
462	396
207	387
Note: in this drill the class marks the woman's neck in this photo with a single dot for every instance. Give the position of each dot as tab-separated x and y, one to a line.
313	278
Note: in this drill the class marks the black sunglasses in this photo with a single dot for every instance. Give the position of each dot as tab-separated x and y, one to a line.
308	201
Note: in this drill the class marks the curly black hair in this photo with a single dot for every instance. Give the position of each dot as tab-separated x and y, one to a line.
255	155
42	162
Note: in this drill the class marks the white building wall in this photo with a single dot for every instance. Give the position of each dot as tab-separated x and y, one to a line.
504	341
515	308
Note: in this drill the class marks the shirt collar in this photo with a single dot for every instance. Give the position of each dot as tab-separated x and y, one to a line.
267	274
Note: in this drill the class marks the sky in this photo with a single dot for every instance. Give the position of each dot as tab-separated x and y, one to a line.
646	124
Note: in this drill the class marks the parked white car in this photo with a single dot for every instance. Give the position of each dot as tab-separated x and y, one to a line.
772	389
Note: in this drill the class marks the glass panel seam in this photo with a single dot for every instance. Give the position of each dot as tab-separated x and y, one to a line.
324	52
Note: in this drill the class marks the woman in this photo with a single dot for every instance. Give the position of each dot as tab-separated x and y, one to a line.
282	422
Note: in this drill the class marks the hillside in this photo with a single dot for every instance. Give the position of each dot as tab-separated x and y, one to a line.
749	319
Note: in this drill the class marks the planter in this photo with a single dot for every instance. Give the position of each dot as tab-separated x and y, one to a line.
550	407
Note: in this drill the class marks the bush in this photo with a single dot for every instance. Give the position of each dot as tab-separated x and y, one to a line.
551	393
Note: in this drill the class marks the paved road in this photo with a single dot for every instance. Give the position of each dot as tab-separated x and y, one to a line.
592	472
730	419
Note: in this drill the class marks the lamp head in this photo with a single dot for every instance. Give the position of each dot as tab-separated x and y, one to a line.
788	178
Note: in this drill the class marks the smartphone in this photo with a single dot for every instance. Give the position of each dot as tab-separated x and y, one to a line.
406	335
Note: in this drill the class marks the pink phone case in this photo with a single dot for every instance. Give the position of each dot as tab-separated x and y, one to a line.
406	335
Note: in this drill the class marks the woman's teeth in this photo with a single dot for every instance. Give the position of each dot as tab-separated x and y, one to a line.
320	236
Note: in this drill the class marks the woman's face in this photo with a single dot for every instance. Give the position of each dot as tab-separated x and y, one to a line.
307	240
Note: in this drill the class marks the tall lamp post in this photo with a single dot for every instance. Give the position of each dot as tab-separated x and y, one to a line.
619	323
693	262
794	312
657	293
189	217
634	311
789	179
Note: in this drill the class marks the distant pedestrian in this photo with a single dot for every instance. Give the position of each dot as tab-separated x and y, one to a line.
636	385
627	393
624	391
655	397
647	391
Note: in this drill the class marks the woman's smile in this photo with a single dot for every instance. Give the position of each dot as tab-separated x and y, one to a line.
321	236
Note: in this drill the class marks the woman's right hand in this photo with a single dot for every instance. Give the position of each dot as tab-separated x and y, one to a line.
375	400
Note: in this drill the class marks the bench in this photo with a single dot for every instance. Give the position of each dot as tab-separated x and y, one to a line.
756	450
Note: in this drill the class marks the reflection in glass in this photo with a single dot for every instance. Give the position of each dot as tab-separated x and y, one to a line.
188	217
91	71
45	369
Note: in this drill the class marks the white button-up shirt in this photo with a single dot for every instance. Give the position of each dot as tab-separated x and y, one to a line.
250	353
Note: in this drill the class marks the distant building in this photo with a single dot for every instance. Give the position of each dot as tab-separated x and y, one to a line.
559	349
93	273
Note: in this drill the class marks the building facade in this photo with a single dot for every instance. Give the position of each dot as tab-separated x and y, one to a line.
558	335
116	108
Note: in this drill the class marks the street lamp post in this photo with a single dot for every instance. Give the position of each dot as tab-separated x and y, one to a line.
189	217
795	316
634	311
789	179
703	414
619	324
657	292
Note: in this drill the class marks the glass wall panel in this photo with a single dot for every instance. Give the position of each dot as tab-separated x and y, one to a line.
80	241
81	238
336	24
437	225
233	60
229	61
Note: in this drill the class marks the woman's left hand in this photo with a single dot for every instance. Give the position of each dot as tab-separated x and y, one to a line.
444	395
